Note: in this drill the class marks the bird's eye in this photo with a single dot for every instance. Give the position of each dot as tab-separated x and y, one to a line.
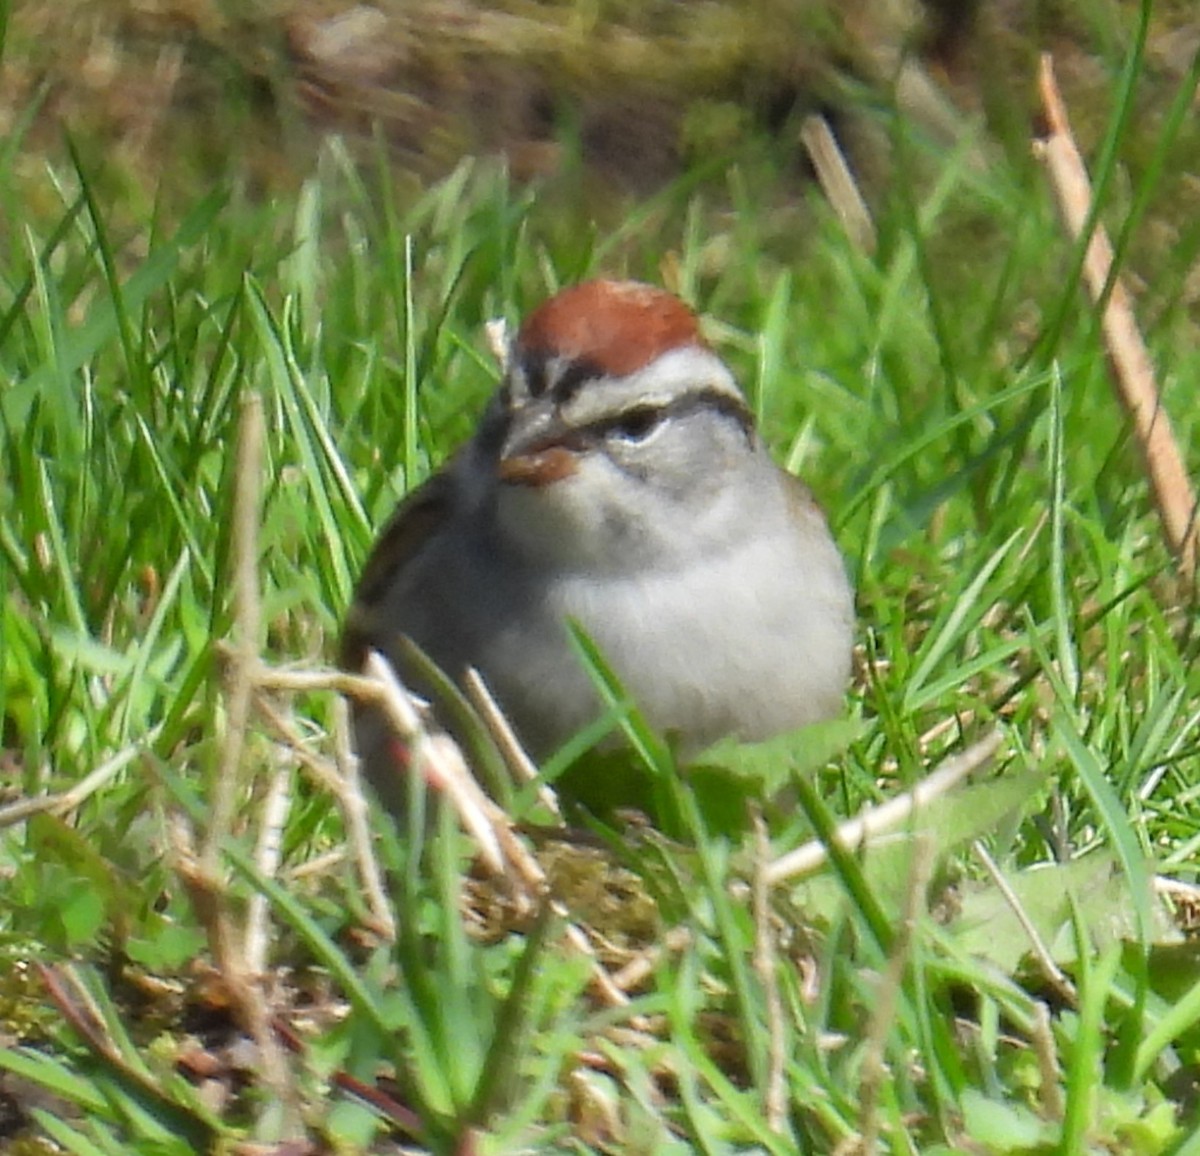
636	424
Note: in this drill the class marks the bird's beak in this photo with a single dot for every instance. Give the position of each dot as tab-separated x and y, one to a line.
539	449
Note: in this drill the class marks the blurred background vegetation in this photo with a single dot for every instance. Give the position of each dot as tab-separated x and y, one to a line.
166	95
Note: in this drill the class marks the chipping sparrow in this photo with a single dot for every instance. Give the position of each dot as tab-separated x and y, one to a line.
616	478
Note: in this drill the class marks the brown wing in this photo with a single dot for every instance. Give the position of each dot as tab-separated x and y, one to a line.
418	517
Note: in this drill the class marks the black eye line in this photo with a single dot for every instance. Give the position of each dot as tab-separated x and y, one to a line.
723	403
634	424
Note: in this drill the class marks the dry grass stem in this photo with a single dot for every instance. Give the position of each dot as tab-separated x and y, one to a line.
639	969
1042	1038
837	182
440	762
88	1010
953	723
355	814
1177	889
874	821
436	756
520	765
520	859
204	876
239	671
79	1009
268	853
1130	359
874	1068
1053	974
71	798
357	686
321	769
342	781
210	902
317	865
766	965
1184	902
602	983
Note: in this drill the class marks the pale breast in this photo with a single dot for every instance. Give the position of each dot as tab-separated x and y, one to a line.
752	644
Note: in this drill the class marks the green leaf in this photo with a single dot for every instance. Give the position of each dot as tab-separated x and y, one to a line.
769	765
91	886
1001	1126
986	924
54	1075
164	945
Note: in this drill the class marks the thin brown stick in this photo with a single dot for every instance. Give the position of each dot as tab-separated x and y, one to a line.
439	758
438	763
437	755
642	965
1177	889
357	686
602	981
1130	359
79	1009
318	866
342	781
358	828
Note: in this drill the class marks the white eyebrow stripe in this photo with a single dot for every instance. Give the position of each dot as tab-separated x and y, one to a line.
664	380
686	368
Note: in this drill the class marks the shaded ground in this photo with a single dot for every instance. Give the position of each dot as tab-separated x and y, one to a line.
176	91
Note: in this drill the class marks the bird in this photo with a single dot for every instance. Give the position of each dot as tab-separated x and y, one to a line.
615	480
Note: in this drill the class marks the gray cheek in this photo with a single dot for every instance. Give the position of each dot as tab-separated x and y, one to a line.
662	462
684	466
